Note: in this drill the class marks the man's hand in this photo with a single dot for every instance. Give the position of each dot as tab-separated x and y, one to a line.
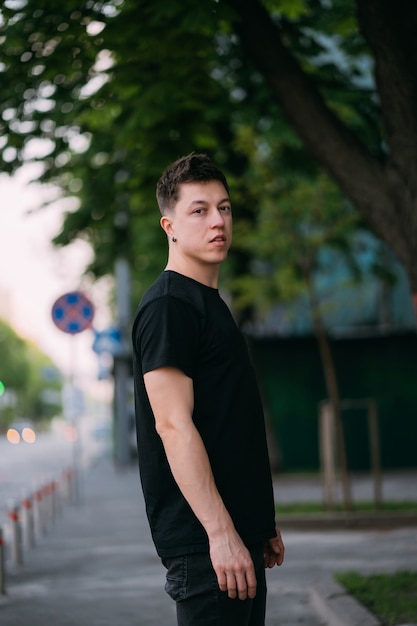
233	565
274	551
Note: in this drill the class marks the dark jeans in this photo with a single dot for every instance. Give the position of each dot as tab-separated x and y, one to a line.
192	583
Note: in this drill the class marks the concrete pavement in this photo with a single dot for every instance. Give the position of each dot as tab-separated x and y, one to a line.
97	564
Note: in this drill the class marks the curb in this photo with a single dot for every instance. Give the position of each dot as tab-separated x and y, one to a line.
338	608
343	521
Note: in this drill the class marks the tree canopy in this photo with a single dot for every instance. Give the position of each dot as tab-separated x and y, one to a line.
105	93
32	383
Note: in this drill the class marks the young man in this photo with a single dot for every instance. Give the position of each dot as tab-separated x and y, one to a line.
201	437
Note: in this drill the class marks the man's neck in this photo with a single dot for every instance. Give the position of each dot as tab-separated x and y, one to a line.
206	274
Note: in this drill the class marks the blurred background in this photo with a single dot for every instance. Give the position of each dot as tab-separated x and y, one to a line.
294	101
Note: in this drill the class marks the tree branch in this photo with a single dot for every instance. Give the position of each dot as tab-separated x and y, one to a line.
326	138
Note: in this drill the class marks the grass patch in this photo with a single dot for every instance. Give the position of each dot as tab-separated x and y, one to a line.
317	507
391	597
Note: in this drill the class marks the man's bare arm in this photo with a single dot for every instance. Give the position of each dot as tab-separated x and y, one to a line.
171	396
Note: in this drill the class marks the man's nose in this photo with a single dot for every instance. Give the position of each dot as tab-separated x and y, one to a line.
217	218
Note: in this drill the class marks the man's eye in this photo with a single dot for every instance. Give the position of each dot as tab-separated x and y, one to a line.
225	208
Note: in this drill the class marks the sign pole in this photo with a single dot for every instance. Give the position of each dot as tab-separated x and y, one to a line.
73	313
122	364
76	431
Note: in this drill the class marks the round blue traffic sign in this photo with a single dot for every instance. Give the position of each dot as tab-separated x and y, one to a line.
73	312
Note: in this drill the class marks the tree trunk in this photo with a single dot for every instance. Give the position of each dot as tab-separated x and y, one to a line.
332	387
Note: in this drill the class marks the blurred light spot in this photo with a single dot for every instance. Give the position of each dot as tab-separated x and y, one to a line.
70	433
13	436
28	435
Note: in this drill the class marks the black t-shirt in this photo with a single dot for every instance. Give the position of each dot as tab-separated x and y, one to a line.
184	324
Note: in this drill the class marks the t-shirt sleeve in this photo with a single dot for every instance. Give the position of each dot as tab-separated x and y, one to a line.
167	335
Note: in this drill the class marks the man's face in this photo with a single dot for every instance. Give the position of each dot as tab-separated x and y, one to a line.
202	222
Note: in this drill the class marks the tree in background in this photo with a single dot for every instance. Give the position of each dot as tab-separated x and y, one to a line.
32	383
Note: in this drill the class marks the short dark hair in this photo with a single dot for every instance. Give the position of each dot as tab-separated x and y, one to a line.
193	168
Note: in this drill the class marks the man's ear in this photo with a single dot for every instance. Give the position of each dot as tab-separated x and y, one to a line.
166	225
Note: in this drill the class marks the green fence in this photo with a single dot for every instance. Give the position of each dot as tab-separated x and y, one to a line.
382	368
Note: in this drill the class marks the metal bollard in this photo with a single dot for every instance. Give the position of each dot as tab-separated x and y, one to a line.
51	501
27	522
64	486
38	516
56	498
16	531
46	492
68	486
60	495
2	568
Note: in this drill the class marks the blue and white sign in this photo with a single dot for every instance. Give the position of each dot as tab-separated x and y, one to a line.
107	341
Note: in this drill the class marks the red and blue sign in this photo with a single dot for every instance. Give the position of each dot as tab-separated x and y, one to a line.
73	312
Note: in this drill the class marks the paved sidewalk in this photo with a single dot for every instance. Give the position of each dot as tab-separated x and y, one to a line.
97	565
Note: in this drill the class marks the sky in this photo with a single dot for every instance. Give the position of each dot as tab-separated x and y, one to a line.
34	273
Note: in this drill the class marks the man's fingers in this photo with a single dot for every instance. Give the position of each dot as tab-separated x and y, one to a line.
274	551
222	581
269	559
251	582
281	548
231	585
237	585
251	590
241	586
